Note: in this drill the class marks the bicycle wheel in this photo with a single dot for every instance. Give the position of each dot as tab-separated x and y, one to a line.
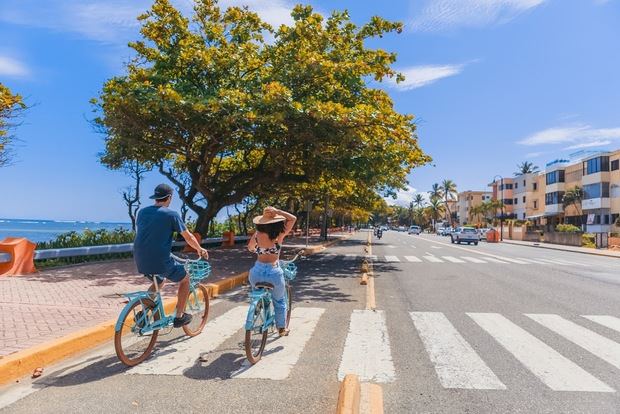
255	340
289	304
131	346
197	306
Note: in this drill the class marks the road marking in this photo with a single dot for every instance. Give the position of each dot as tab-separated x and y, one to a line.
610	322
372	257
350	256
390	246
494	260
413	247
508	259
456	363
432	259
602	347
452	259
436	247
392	259
177	357
367	348
472	259
412	259
535	261
555	262
552	368
568	262
281	355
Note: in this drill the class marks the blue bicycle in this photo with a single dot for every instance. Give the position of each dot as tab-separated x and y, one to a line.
140	321
261	314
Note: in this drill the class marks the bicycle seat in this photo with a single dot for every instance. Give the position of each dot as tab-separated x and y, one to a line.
264	285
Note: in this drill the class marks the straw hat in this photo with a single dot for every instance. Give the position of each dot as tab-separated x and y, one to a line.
268	218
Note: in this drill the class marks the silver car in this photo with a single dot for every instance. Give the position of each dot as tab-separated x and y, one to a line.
465	234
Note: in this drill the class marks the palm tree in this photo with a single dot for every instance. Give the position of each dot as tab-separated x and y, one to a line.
526	167
418	200
448	188
436	192
475	211
573	197
436	209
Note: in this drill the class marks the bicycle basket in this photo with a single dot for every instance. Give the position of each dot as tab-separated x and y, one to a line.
198	270
289	269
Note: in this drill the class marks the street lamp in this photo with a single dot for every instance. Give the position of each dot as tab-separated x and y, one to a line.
501	217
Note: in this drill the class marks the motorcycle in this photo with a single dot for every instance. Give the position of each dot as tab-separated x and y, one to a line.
379	234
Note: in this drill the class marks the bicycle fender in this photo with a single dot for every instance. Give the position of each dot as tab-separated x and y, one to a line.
249	320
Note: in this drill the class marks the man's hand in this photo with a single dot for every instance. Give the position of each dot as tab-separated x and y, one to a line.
203	253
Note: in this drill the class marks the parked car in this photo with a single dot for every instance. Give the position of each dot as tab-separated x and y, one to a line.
483	233
414	230
465	234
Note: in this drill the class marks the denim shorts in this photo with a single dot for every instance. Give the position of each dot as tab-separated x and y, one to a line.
174	272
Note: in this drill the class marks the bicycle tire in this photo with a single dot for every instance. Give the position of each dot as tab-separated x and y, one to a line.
289	305
252	356
193	329
128	322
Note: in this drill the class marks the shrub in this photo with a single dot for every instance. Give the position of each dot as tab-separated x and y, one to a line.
567	228
587	240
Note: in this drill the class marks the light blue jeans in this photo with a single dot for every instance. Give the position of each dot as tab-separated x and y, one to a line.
272	273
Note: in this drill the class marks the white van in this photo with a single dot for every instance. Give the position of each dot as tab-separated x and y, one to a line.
414	230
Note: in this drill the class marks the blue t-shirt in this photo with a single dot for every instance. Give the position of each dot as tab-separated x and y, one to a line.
151	249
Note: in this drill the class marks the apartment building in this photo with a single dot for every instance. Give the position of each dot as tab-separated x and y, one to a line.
526	196
466	201
598	175
503	189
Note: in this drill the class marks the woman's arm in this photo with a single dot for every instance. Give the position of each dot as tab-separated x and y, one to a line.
288	224
252	243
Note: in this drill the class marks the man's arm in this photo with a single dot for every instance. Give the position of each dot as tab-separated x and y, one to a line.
194	244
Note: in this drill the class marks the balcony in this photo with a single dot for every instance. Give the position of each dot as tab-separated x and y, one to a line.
553	209
595	203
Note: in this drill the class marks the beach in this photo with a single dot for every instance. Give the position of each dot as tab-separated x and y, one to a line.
45	230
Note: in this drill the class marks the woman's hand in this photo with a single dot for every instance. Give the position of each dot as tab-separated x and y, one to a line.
270	211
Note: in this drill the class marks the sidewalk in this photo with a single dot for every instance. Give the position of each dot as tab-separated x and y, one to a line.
37	308
575	249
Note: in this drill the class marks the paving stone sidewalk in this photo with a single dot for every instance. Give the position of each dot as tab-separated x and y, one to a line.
55	302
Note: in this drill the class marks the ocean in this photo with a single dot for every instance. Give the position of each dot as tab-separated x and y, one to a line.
46	230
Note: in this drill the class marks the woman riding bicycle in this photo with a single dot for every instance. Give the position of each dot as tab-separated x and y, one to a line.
271	229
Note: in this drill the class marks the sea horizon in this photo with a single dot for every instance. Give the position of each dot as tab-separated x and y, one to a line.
41	230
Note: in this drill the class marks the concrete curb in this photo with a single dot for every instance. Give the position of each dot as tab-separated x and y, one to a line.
22	363
552	247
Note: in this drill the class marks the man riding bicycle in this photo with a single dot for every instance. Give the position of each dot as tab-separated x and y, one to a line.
153	244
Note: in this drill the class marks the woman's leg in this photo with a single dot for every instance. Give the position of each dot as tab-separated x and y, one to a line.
279	296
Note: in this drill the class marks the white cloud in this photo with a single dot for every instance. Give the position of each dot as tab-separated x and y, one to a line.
114	21
577	136
418	76
12	67
439	15
405	197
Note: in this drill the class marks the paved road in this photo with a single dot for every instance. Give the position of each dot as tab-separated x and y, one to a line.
485	329
498	328
298	373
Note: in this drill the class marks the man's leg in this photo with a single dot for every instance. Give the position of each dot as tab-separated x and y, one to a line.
182	295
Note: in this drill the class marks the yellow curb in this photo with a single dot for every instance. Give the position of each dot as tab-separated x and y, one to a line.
349	395
19	364
370	294
371	398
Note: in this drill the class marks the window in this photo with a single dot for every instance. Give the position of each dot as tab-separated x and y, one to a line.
596	190
535	204
516	185
508	186
524	199
555	177
614	217
606	217
596	165
523	216
508	201
523	183
535	186
615	165
516	201
554	198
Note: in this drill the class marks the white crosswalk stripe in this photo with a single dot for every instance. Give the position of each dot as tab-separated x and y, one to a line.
473	259
604	348
350	256
508	259
452	259
367	348
456	363
610	322
535	261
281	355
392	259
493	260
552	368
432	259
413	259
178	357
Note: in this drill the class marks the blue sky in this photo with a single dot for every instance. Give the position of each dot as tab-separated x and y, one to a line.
491	83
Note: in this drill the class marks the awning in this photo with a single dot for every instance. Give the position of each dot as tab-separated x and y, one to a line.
535	217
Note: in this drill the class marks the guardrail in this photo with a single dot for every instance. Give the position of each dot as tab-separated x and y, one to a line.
103	249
